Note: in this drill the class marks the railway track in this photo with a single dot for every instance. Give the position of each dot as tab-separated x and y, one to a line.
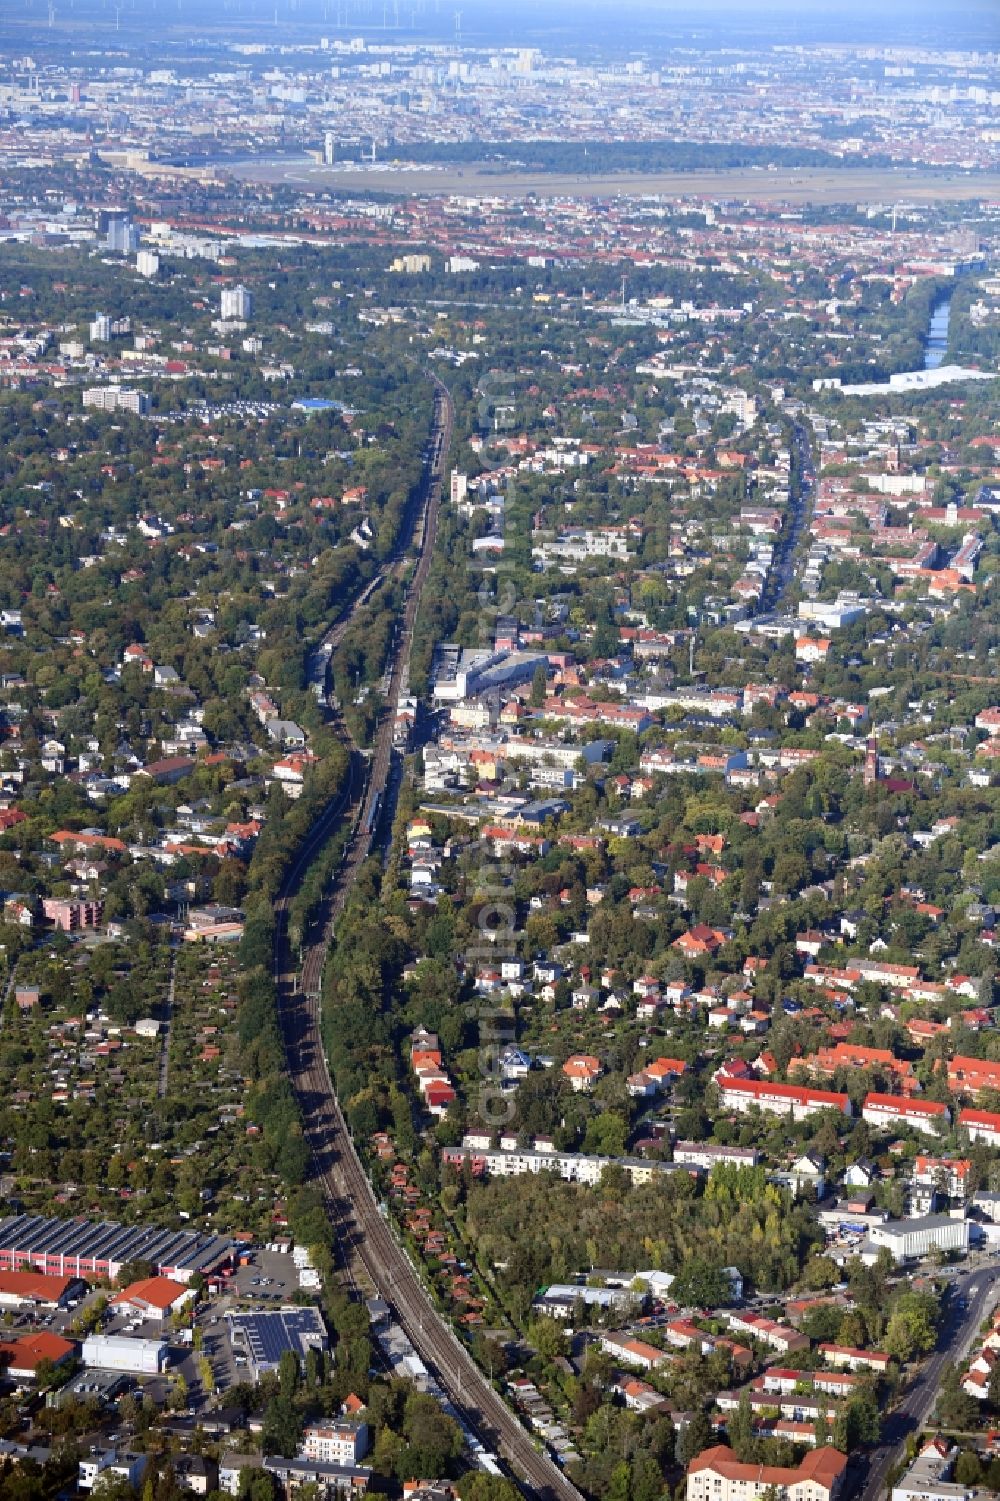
373	1261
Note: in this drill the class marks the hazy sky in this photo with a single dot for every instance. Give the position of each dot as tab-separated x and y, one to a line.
569	26
961	22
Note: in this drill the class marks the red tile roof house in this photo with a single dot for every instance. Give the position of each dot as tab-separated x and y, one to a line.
582	1071
879	972
153	1297
169	770
827	974
699	941
21	1288
682	1333
665	1070
82	840
717	1475
850	1359
782	1381
980	1125
889	1111
977	1379
952	1172
438	1095
852	1055
20	1358
639	1395
779	1336
798	1101
970	1075
634	1351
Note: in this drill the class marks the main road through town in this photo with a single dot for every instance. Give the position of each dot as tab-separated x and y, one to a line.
972	1296
370	1254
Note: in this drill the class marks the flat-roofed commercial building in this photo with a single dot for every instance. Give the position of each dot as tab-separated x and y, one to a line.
908	1239
120	1352
263	1337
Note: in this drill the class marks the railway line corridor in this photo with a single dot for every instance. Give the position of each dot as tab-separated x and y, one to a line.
372	1259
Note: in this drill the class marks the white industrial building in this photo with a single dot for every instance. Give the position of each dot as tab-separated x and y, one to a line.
118	1352
911	1239
464	672
560	1300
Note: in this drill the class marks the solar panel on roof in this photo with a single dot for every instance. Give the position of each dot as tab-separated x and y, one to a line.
119	1244
162	1244
29	1232
95	1238
42	1235
216	1249
108	1240
156	1245
14	1229
189	1247
269	1334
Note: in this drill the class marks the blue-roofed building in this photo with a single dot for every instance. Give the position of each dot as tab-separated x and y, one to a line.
265	1336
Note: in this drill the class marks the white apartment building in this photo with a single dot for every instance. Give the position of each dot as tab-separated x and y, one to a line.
980	1125
236	303
892	1111
578	544
116	399
706	1154
717	1475
574	1167
341	1443
796	1100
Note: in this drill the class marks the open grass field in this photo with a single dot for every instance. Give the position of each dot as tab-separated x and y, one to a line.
787	185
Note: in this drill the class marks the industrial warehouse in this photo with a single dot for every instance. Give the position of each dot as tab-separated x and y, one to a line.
89	1248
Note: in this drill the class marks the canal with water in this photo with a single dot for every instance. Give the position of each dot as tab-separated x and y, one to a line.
937	335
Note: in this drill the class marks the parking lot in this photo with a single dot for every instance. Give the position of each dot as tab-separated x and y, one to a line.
270	1281
55	1320
272	1278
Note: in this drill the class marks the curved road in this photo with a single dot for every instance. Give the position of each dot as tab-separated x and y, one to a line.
371	1254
